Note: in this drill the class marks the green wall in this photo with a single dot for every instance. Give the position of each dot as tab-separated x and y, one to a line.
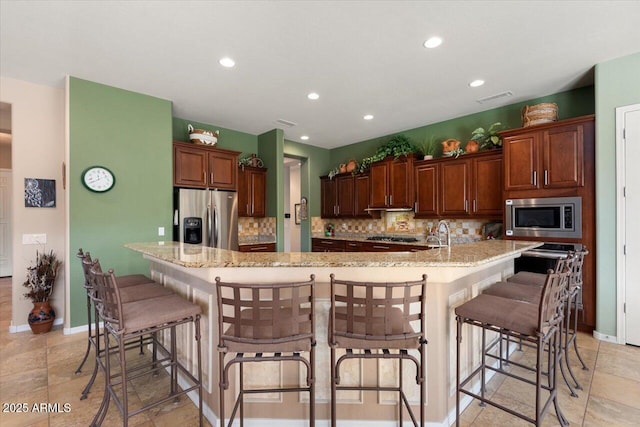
130	134
229	138
271	151
617	85
572	103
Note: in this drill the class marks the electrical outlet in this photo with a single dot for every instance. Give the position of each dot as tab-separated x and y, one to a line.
34	239
160	231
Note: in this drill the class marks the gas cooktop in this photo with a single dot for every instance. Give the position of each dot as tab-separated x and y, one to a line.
393	239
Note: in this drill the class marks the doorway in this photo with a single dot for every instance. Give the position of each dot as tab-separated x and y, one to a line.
292	194
6	249
628	228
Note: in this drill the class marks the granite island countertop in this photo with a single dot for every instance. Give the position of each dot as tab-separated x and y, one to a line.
464	255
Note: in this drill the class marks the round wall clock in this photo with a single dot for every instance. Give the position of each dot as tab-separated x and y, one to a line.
98	179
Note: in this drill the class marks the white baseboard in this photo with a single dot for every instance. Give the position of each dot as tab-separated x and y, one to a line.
605	337
78	329
22	328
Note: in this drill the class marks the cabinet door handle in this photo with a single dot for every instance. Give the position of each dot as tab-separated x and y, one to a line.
415	206
259	248
391	200
326	242
475	205
380	247
338	209
535	178
211	176
466	205
546	176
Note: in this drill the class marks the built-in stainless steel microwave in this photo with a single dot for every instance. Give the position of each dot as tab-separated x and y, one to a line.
555	217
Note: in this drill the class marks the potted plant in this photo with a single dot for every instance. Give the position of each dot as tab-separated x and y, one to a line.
397	146
488	139
427	148
40	280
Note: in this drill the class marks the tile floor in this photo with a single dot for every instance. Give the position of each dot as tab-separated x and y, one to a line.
40	369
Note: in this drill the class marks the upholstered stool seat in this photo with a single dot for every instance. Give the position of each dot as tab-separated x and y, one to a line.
528	278
143	292
515	291
509	314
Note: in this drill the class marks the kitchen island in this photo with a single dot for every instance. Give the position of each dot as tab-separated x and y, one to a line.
455	275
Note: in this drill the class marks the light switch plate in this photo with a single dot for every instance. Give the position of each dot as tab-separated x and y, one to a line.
160	231
34	239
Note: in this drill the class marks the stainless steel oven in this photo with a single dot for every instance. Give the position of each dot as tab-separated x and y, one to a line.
544	258
548	217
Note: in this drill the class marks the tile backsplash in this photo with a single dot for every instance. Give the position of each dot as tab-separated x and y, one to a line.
251	227
400	223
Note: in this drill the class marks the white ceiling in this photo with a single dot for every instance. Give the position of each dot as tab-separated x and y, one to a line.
362	57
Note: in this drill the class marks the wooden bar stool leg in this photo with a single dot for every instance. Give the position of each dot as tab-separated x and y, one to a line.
334	382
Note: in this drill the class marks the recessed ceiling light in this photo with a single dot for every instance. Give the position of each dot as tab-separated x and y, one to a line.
368	117
313	96
227	62
304	137
433	42
476	83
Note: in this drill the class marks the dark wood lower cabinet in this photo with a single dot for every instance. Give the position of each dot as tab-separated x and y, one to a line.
337	245
258	247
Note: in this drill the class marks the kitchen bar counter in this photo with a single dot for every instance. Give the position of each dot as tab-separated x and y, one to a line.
455	275
467	255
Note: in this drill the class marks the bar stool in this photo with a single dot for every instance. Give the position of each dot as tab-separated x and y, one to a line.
574	305
527	286
378	321
133	287
124	322
540	325
125	281
259	318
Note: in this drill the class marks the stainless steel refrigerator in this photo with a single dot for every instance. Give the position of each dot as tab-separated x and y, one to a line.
206	217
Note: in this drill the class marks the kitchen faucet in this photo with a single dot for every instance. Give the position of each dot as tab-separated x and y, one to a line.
443	228
441	235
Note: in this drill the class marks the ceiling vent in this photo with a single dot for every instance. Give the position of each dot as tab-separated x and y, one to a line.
494	97
286	123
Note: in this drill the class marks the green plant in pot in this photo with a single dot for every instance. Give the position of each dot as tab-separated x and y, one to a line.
40	280
488	138
427	148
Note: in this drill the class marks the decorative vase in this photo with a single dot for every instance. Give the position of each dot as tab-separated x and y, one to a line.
41	317
427	157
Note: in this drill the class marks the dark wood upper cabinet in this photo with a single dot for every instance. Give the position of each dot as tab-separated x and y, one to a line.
345	196
329	197
454	187
201	166
190	166
252	184
426	179
469	186
391	183
486	186
543	157
361	204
